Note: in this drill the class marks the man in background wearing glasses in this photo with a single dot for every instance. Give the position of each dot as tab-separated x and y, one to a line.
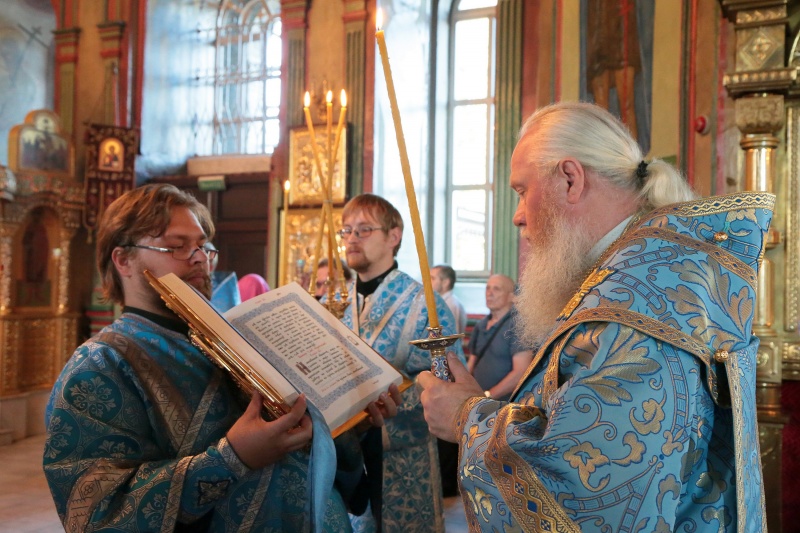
387	311
147	434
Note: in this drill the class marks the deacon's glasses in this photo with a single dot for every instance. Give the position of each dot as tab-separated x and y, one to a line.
361	232
184	253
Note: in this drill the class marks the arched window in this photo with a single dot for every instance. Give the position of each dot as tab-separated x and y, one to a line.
247	83
470	153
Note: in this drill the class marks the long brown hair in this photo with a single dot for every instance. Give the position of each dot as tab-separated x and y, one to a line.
142	212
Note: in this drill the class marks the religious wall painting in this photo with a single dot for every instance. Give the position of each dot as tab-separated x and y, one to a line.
298	252
305	186
27	62
39	146
617	60
110	155
110	168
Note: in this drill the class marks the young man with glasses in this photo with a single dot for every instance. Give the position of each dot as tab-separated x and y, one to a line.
387	311
144	432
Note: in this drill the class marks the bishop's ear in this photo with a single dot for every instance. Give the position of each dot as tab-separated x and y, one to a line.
574	175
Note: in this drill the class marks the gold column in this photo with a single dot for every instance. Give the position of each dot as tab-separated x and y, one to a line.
758	117
760	84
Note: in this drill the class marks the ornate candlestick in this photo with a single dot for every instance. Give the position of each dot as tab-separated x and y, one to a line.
437	344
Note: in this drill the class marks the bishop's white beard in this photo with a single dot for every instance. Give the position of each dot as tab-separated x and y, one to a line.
553	273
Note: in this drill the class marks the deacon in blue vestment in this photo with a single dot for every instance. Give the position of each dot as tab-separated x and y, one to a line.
388	311
146	434
638	411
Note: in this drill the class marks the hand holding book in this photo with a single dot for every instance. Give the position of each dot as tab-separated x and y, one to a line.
290	432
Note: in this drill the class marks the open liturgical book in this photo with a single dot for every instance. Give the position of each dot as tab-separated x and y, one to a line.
284	343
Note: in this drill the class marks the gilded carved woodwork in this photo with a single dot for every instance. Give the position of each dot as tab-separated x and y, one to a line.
761	48
38	222
791	292
35	349
760	114
790	358
763	85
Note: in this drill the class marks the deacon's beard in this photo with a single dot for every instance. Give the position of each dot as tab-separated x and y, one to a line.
555	267
206	288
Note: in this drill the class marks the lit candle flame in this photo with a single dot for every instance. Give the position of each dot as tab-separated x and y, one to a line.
343	98
379	19
307	99
286	185
329	97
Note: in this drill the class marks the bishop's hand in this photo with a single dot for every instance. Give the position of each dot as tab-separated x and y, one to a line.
442	400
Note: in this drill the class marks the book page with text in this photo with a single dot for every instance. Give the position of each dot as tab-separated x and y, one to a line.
318	354
200	306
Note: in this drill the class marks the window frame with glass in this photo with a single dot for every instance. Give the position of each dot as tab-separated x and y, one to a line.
247	77
464	96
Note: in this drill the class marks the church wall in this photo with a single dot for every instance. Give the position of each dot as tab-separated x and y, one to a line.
666	111
26	63
685	85
325	37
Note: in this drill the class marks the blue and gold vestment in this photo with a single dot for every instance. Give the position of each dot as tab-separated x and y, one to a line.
391	317
638	414
136	442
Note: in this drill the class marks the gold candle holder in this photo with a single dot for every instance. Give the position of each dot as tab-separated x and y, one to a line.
335	306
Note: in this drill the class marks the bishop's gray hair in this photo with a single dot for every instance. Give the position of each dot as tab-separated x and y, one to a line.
602	143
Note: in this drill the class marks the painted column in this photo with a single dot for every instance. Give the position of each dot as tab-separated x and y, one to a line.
112	35
66	89
355	23
294	20
505	247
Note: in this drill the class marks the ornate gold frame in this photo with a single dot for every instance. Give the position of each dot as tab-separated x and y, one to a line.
305	188
301	228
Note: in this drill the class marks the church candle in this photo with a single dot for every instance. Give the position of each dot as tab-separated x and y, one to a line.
315	151
419	238
312	137
328	147
332	165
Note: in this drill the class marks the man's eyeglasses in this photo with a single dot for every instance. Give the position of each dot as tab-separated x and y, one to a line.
361	232
184	253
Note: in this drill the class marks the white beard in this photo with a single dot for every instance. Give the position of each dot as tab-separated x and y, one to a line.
553	273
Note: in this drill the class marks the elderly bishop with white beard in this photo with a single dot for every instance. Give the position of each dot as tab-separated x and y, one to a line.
637	412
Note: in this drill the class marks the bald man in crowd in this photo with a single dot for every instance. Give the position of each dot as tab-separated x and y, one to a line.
497	358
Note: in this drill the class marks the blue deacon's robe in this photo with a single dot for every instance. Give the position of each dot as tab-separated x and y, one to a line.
391	317
136	425
638	414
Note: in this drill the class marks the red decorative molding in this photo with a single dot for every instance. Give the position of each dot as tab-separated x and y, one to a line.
355	16
112	10
294	14
558	53
66	52
691	88
722	68
138	63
